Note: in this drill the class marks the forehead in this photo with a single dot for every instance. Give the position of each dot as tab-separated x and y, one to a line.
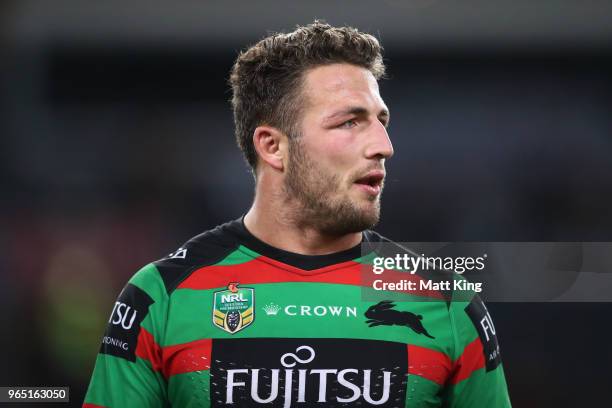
337	85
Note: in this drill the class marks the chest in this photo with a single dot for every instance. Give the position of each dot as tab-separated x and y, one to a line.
305	345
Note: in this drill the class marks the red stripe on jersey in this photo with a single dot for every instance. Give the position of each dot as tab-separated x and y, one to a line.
86	405
148	349
471	359
262	270
267	270
187	357
430	364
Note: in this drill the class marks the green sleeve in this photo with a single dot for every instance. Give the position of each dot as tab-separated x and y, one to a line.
478	379
128	370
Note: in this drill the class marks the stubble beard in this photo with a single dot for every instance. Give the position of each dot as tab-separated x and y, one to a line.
313	194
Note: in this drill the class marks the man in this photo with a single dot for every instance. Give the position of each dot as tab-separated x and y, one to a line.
268	309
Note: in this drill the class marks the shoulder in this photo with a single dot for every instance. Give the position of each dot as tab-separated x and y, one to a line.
375	242
412	257
205	249
383	245
373	236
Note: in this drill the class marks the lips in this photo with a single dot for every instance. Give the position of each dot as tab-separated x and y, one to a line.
371	182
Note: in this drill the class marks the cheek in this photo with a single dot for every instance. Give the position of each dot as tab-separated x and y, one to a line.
336	150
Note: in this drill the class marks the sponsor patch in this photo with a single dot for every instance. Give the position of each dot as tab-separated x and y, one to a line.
123	327
233	308
308	372
483	323
311	311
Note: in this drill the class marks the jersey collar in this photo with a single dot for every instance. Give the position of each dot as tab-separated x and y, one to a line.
304	262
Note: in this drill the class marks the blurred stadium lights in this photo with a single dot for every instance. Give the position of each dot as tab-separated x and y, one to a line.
402	24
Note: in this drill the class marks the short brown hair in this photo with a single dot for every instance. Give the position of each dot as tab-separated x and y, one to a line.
266	79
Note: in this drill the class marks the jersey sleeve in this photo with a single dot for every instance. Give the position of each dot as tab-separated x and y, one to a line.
477	375
128	370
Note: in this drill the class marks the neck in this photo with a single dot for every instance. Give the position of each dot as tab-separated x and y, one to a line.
272	220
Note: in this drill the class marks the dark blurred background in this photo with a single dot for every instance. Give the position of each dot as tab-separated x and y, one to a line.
117	145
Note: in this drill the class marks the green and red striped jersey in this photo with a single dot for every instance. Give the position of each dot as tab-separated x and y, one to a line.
227	320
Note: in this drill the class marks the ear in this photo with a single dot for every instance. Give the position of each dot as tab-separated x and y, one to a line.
271	146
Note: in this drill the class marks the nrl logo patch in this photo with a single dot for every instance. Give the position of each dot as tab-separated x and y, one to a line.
233	309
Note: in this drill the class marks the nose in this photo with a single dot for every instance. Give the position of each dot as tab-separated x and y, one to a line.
379	145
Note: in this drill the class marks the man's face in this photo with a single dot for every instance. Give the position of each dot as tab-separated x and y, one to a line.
336	165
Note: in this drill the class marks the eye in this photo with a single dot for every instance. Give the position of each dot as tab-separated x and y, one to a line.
348	124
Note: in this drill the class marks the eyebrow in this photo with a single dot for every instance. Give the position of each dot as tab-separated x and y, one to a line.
358	111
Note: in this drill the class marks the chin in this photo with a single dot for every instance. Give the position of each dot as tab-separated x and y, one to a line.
357	220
